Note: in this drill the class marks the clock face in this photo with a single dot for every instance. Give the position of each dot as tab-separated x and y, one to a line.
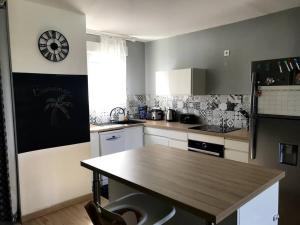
53	46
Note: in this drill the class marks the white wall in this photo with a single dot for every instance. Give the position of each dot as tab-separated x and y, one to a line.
51	176
28	20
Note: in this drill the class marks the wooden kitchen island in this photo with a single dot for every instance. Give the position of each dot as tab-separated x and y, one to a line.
208	187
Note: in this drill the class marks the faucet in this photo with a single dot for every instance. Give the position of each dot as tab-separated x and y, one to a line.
223	123
115	114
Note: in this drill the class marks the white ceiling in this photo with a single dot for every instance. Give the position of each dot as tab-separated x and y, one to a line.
156	19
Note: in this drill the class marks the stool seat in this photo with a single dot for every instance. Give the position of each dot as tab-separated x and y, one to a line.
151	211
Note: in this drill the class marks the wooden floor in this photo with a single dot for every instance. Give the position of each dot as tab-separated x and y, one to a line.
74	215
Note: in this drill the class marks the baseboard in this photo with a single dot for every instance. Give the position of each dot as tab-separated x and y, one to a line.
55	208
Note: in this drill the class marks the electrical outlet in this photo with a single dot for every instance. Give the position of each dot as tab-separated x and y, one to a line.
226	52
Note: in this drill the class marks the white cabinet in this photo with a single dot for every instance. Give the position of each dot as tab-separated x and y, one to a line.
109	142
112	142
206	138
261	210
190	81
236	155
178	144
95	145
133	137
155	140
171	138
236	150
123	139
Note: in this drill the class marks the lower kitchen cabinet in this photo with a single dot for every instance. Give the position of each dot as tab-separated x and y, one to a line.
236	155
178	144
124	139
171	138
133	137
237	150
155	140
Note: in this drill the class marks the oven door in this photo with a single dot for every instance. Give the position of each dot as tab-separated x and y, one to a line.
206	148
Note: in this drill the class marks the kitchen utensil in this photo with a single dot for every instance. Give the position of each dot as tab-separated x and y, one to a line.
171	115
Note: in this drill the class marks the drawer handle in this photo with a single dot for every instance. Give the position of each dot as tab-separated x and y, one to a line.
276	217
203	151
113	138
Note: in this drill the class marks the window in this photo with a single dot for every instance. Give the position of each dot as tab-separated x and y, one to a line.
107	77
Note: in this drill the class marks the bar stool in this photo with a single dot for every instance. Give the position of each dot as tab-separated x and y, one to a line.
147	210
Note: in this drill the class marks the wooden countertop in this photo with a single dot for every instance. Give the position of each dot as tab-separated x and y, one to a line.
242	135
110	127
210	187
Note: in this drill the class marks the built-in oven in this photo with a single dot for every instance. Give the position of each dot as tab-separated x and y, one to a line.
206	148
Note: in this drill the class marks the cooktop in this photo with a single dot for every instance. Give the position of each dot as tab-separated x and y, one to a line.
214	128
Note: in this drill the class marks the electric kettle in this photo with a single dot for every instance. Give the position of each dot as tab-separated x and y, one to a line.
171	115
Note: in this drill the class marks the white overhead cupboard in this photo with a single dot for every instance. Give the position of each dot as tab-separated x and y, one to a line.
189	81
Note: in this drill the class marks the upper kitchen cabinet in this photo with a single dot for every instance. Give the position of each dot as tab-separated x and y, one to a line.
190	81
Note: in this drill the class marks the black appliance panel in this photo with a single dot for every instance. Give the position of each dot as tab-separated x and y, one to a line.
206	148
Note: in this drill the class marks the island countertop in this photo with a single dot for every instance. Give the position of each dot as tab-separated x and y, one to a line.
210	187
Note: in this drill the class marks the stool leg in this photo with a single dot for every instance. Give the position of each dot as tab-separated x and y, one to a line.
96	188
209	223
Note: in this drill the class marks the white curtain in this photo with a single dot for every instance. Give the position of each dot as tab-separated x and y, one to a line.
107	76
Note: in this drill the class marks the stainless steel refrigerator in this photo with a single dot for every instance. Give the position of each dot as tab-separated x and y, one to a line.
275	128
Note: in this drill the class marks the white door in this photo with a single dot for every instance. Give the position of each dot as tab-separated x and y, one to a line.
134	137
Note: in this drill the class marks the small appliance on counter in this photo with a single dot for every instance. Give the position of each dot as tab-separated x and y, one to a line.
156	114
188	118
171	115
143	112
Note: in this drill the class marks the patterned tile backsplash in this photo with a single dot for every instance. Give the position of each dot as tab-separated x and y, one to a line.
211	109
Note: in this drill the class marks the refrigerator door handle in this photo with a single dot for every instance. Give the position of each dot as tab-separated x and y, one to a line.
252	117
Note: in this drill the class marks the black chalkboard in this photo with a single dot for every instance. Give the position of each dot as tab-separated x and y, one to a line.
51	110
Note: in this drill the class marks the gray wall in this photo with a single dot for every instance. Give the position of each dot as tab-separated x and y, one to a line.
273	36
135	68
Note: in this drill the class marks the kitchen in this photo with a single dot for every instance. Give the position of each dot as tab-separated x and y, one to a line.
204	74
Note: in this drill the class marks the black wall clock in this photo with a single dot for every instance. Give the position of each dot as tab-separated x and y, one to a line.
53	46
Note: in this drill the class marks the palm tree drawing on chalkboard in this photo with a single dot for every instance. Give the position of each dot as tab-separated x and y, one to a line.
58	106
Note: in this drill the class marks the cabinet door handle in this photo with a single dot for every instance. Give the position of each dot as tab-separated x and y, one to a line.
113	138
276	217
